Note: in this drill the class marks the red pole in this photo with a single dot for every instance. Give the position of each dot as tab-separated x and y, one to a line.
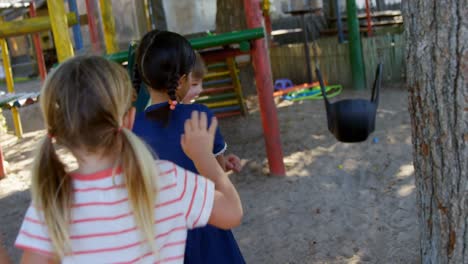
261	62
37	45
369	19
93	32
2	168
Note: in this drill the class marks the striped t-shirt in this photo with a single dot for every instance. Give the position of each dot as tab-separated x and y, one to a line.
103	229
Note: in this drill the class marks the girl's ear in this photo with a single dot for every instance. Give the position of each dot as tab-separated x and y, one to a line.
183	80
129	118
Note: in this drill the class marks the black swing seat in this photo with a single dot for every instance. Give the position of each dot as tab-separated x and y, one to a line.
352	120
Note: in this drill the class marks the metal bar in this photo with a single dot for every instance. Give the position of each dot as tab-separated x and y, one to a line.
306	49
260	58
59	23
10	85
76	28
108	26
355	49
93	31
339	25
227	38
32	25
37	46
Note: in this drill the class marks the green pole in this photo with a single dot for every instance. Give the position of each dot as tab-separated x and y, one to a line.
355	49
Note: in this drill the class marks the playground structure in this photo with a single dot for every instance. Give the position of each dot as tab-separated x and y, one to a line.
59	22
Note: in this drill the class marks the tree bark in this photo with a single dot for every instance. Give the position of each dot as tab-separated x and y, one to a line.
437	74
230	15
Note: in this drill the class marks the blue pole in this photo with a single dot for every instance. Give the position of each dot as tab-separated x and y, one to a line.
76	28
338	22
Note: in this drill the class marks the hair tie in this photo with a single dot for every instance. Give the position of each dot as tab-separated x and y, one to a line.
50	135
172	104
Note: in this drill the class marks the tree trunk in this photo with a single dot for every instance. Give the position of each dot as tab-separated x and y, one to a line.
437	72
230	15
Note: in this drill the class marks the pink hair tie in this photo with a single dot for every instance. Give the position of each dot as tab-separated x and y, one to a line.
172	104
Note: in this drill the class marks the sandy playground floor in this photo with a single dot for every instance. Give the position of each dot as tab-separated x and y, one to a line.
340	203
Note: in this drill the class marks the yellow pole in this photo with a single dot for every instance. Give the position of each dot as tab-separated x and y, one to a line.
10	85
59	23
109	26
149	24
222	103
231	63
31	25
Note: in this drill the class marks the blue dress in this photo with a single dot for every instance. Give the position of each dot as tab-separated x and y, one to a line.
206	245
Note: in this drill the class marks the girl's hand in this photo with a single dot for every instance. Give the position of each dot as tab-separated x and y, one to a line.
233	163
197	140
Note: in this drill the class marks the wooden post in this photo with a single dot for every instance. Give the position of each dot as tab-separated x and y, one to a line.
10	86
37	45
264	82
93	32
59	23
369	19
109	26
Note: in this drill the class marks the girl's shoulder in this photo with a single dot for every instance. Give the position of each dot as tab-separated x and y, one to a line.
199	108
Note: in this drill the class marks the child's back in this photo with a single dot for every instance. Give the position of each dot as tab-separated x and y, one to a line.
165	61
103	226
119	205
207	244
164	139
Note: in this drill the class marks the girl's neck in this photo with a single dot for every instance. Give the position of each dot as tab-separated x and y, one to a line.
89	163
158	97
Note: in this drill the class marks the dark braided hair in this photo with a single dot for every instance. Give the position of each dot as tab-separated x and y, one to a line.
162	58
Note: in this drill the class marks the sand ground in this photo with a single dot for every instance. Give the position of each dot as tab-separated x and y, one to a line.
339	203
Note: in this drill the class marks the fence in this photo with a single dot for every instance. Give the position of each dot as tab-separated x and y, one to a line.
288	61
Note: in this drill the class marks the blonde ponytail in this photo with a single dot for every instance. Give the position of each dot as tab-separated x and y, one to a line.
139	170
51	190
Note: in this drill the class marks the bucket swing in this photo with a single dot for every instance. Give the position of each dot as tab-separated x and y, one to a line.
351	120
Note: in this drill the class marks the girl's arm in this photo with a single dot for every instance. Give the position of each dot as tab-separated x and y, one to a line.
221	161
227	209
4	258
197	143
31	257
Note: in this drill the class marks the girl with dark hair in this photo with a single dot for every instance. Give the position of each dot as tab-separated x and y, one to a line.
165	61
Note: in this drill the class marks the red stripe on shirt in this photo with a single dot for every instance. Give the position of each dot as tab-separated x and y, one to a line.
168	172
193	197
159	205
94	251
165	188
34	236
100	203
203	205
171	259
32	220
97	175
113	187
96	219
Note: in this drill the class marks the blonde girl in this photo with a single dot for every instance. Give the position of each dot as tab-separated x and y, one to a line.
120	205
